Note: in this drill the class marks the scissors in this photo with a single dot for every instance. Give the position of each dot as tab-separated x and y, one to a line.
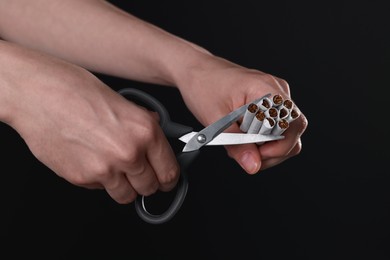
210	135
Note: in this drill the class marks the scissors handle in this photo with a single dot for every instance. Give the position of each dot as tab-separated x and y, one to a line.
171	130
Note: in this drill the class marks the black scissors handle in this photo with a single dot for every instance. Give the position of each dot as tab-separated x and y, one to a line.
171	130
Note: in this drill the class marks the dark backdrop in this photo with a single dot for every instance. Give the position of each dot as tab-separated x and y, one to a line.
330	202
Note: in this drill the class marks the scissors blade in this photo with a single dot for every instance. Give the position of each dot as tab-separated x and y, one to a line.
234	138
210	132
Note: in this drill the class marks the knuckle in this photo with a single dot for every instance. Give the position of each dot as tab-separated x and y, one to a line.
101	170
303	123
270	79
283	83
136	168
275	81
132	158
129	155
170	176
148	131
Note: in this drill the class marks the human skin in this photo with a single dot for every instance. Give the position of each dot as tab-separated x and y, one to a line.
86	132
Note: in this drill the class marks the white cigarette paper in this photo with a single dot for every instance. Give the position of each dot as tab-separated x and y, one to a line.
265	103
257	121
266	127
294	114
248	117
283	112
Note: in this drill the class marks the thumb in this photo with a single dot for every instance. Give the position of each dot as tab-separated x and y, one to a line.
246	155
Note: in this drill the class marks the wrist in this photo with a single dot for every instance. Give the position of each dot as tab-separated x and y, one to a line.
183	68
195	66
177	63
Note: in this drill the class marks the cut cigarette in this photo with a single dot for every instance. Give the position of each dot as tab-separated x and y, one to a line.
283	112
294	114
272	112
288	104
280	126
277	100
265	103
266	127
248	117
257	122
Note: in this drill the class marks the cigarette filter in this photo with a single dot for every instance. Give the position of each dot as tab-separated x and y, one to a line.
248	117
257	122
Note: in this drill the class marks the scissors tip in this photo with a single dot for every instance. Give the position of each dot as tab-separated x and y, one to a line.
187	149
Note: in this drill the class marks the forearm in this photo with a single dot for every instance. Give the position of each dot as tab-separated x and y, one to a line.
23	75
16	77
6	92
99	37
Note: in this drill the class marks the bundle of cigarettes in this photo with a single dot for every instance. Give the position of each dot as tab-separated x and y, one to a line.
271	115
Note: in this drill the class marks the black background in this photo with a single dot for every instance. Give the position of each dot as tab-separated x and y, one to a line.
330	202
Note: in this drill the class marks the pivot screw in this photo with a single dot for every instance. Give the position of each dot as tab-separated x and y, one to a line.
201	138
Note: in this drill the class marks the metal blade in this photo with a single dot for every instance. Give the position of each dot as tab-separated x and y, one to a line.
234	138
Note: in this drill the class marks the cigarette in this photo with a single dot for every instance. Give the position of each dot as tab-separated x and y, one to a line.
266	127
257	122
248	117
277	100
265	103
280	126
272	112
283	112
288	104
294	114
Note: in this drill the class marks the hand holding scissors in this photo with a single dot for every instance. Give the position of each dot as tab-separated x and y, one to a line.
210	135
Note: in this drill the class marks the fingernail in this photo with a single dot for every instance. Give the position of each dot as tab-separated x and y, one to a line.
249	163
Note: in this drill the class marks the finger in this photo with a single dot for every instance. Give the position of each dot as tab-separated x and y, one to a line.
163	161
284	146
120	189
247	155
142	177
278	148
284	85
268	163
92	186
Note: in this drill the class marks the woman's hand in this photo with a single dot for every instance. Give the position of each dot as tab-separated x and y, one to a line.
81	129
216	87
